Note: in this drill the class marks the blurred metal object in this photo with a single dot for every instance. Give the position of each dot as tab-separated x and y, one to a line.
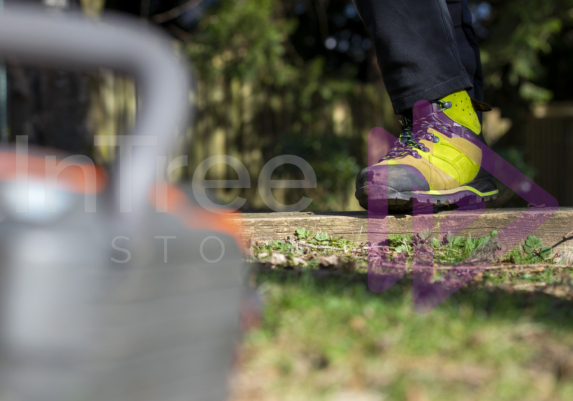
3	96
66	40
106	305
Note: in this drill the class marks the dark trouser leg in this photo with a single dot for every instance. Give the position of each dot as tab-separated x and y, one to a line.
467	45
418	48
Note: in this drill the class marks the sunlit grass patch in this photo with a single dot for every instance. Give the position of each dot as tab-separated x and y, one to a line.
322	338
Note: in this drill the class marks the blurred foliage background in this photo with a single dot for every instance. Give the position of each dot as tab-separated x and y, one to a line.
300	77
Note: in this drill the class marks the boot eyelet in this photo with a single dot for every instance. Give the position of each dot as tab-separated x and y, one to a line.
436	139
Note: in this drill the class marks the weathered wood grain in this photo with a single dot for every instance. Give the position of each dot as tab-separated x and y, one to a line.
360	227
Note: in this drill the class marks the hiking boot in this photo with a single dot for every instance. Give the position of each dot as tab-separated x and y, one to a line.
438	163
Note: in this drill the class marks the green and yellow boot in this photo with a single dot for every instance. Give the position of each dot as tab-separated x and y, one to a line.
440	163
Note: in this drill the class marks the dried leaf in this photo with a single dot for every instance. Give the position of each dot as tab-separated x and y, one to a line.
299	261
278	259
330	260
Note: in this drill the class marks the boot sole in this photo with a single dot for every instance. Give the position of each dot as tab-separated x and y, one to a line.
382	198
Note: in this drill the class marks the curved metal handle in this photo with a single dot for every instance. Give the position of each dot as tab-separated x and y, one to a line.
71	40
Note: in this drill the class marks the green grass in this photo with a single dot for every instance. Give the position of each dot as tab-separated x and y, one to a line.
507	335
306	249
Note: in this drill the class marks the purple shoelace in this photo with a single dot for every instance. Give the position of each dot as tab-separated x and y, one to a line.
409	140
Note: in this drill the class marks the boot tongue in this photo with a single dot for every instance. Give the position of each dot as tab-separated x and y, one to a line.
407	129
406	143
407	133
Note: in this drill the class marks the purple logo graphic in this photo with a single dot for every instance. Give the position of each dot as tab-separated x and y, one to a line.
383	272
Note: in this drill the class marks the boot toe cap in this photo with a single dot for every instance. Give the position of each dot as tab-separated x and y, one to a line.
397	177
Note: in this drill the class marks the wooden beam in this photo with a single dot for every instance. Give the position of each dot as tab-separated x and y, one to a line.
355	226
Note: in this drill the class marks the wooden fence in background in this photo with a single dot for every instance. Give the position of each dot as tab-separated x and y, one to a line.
549	149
